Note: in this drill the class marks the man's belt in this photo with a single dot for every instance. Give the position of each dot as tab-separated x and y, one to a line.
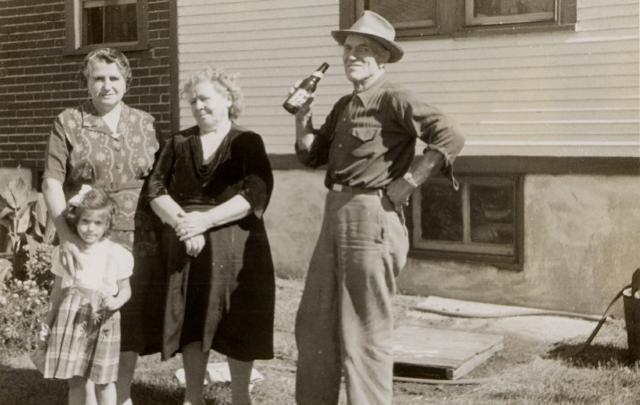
356	190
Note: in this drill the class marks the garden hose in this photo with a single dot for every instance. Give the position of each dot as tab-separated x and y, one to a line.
514	313
595	331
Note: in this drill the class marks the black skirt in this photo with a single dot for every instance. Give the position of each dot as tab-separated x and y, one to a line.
224	298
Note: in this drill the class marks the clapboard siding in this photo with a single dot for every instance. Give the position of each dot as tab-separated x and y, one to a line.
270	44
552	93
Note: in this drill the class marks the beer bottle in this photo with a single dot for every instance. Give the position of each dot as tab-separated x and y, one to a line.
304	90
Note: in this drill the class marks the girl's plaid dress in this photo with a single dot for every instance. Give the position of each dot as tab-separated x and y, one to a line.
85	339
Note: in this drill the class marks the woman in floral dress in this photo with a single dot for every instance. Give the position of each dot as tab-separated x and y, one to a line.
111	145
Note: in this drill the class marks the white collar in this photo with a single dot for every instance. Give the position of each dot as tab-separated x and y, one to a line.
112	117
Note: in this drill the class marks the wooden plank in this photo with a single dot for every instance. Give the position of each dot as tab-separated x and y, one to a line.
425	352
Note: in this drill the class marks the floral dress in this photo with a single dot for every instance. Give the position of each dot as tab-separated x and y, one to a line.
82	149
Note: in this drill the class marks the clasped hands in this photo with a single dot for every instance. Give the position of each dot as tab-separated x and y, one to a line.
190	228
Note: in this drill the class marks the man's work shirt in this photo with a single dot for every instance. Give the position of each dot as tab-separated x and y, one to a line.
369	137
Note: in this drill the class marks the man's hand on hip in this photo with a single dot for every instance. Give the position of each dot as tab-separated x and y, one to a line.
399	191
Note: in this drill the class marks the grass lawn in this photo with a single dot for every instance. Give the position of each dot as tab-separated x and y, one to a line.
527	371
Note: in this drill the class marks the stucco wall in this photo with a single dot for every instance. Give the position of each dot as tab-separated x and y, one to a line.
582	242
293	219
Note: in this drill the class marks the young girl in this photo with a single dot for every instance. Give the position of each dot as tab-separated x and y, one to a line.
84	340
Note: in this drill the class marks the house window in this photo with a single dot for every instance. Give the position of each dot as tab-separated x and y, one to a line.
423	18
489	12
94	23
480	222
409	17
405	13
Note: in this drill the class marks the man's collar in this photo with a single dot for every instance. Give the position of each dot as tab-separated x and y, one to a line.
366	94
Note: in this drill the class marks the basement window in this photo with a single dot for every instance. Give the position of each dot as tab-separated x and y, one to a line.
481	222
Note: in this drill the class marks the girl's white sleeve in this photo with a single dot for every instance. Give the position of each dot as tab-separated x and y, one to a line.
125	263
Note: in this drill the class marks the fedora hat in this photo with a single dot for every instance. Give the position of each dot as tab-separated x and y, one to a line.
376	27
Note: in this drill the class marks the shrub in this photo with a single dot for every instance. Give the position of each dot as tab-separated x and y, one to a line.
37	266
24	299
23	306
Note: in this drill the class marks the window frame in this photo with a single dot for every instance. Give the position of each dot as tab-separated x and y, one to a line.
74	29
475	252
451	21
512	20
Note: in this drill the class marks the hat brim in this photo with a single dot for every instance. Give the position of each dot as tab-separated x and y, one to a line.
394	49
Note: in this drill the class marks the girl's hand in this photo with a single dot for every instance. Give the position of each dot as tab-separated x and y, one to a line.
195	245
112	303
191	224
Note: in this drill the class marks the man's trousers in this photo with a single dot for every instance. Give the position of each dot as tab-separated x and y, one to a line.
345	319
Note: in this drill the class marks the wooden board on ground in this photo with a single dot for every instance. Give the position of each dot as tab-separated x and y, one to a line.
421	351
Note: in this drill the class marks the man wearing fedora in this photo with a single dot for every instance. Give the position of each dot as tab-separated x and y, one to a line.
345	319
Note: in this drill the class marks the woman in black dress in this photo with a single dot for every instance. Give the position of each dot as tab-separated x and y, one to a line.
210	186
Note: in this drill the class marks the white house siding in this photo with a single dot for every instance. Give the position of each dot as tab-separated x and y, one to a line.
562	93
270	44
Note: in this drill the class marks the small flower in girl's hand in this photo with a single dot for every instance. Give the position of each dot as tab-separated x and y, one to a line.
97	315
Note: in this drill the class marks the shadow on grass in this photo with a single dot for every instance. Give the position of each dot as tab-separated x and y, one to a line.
595	355
22	386
145	393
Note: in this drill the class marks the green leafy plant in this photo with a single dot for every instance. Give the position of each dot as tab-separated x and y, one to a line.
23	214
5	268
16	200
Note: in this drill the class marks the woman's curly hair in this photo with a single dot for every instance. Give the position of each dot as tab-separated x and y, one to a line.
223	82
94	199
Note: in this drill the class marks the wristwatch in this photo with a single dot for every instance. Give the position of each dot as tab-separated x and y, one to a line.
408	177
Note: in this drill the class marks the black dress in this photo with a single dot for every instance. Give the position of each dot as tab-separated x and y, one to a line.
225	297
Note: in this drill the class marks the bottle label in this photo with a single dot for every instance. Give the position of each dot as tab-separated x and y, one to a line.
299	97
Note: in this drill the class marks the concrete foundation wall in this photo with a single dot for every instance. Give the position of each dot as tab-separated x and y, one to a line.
582	243
293	219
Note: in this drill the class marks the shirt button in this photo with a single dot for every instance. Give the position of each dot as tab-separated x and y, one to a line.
339	145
